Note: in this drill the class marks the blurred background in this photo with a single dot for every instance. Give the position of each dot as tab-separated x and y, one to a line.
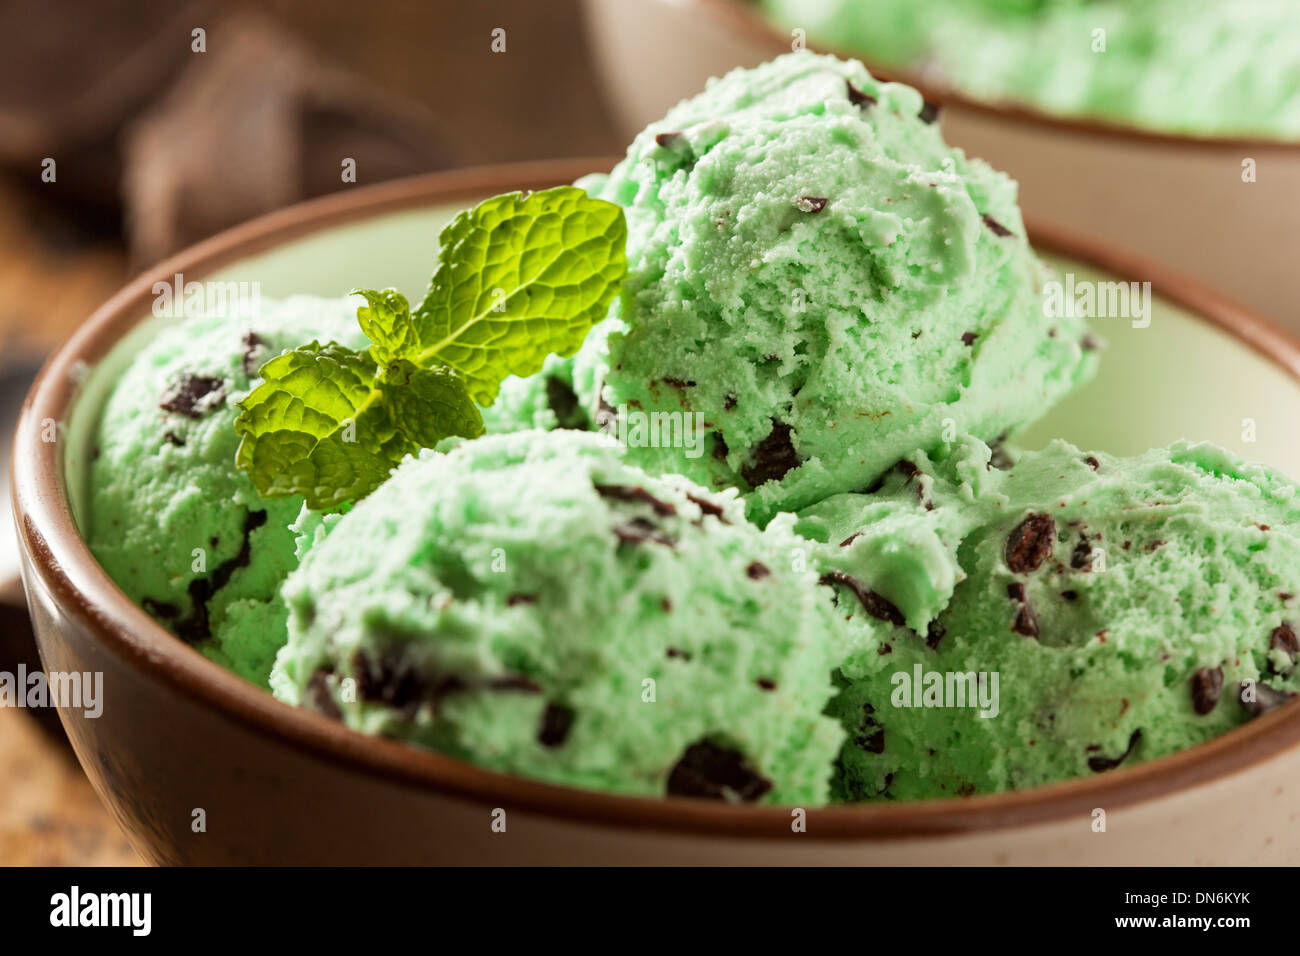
156	144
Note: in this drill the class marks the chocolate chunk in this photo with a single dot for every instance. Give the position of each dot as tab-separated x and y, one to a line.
639	530
757	570
563	403
996	227
162	610
772	458
1266	698
392	680
194	395
929	112
1070	595
254	347
1026	622
557	720
636	493
720	449
1092	463
968	338
1207	685
1102	764
172	438
674	652
811	203
878	607
715	772
729	402
1284	639
998	457
668	140
1030	543
196	627
766	683
934	633
1081	556
517	599
858	98
708	507
318	696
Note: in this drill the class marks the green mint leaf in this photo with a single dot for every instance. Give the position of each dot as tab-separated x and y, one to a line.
329	424
386	320
519	277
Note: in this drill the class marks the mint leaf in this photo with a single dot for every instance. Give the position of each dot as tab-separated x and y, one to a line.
520	277
328	424
386	320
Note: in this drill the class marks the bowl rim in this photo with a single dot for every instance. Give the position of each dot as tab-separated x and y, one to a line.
57	555
744	18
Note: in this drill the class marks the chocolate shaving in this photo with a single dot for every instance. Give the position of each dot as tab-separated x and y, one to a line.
772	458
757	570
1092	463
1284	639
968	338
194	395
636	493
811	203
708	507
715	772
1102	764
172	438
668	140
996	227
858	98
1266	698
1030	543
516	599
196	627
1026	622
766	683
874	604
639	531
1207	685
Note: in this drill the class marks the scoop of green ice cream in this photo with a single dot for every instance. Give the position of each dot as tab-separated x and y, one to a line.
817	286
1111	607
172	521
534	604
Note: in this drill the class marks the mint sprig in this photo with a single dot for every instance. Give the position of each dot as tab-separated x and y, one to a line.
518	278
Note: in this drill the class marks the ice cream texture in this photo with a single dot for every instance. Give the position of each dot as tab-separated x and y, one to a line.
535	604
1116	609
1202	67
172	521
818	286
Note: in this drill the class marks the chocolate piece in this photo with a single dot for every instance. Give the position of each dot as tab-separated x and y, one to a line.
929	112
1026	622
392	680
172	438
194	395
811	203
668	140
563	402
757	570
1266	698
1092	463
1207	685
877	606
557	720
1030	543
708	507
934	633
517	599
636	493
196	627
1070	595
639	530
850	539
714	772
677	382
1102	764
858	98
163	610
996	227
772	458
1081	556
254	346
318	696
674	652
766	683
998	458
1284	639
729	402
968	338
720	449
1089	343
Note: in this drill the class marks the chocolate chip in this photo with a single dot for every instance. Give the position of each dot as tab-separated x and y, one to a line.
1070	595
1081	556
557	720
729	402
934	633
563	403
772	458
929	112
850	539
1207	685
1102	764
668	140
766	683
968	338
1092	463
708	507
757	570
996	227
639	530
1026	622
1266	698
172	438
516	599
811	203
858	98
636	493
720	450
998	458
194	395
163	610
677	382
715	772
1030	543
1284	639
318	696
1089	343
253	348
391	679
674	652
874	604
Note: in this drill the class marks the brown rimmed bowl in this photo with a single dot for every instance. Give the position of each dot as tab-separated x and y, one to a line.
200	767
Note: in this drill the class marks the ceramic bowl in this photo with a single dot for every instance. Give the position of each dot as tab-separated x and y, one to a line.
181	742
1180	199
